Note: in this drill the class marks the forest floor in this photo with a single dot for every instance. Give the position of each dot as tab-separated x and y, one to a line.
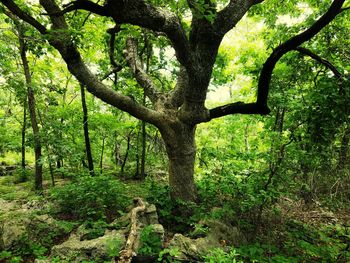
313	232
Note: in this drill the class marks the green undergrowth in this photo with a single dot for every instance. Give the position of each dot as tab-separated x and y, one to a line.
298	243
94	198
11	190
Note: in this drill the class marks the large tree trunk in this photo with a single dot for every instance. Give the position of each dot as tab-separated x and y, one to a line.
179	139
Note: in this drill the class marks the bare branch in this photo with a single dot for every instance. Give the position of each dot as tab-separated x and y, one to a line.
141	76
324	62
116	67
237	107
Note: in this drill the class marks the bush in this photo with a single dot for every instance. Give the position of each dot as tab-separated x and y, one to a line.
91	198
150	242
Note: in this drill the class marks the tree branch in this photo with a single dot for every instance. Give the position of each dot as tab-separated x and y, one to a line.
140	13
292	43
115	66
260	106
177	95
324	62
24	16
81	4
237	107
61	40
228	17
141	76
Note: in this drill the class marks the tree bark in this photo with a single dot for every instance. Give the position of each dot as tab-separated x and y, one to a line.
32	111
180	145
86	131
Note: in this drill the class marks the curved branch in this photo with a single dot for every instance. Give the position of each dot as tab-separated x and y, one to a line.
260	106
292	43
141	76
140	13
60	39
324	62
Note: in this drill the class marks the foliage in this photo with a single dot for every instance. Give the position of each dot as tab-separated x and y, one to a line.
177	215
114	245
94	229
91	198
150	243
168	255
220	256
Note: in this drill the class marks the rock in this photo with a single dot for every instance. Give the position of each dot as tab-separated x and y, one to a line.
159	230
219	235
224	233
150	216
42	261
99	249
12	229
19	228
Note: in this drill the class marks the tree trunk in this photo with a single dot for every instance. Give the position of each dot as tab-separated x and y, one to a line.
143	150
344	149
126	153
86	131
23	146
102	153
32	111
179	139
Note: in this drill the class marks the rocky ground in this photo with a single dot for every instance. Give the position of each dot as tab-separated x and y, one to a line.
29	224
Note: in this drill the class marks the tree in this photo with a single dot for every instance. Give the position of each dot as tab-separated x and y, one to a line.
32	106
86	131
175	113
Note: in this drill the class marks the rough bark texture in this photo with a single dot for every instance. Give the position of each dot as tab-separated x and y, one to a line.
180	145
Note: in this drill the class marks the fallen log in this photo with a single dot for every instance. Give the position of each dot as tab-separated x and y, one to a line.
134	235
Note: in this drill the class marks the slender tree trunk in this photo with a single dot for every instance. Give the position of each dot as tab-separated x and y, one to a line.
126	153
23	146
143	150
344	149
102	152
32	111
86	131
179	139
50	167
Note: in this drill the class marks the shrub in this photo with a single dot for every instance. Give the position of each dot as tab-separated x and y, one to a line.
150	242
91	198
